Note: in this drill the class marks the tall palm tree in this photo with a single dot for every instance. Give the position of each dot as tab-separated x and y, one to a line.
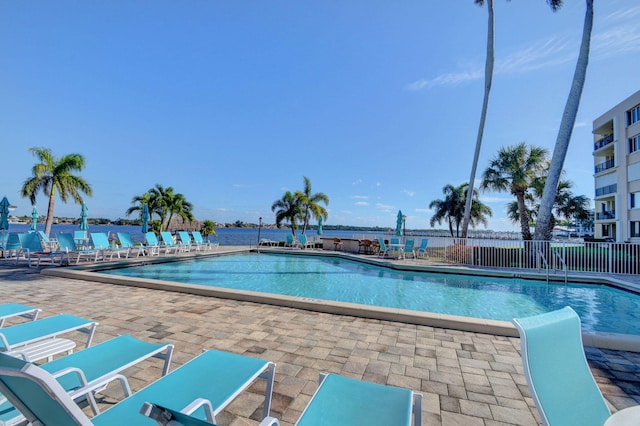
543	225
488	78
288	209
53	174
514	169
310	204
451	209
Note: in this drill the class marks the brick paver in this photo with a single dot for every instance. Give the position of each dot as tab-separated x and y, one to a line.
465	378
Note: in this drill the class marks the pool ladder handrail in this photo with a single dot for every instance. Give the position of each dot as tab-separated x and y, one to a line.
540	255
556	257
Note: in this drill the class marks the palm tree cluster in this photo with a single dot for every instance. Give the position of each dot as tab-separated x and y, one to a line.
300	206
51	175
522	170
163	202
451	208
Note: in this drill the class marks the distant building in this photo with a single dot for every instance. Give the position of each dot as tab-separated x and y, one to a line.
616	155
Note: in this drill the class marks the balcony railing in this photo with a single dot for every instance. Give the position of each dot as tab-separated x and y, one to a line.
605	166
610	214
603	142
609	189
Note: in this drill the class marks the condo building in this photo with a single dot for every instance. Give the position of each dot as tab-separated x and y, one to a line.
616	154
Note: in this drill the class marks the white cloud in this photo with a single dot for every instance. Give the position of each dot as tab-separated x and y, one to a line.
357	182
384	207
620	37
361	203
450	79
360	197
408	192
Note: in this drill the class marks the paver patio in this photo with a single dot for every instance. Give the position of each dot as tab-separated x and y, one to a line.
465	378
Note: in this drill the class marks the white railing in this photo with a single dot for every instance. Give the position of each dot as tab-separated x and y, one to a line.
573	255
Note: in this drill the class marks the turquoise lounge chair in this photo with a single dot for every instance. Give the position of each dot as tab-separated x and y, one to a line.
47	242
9	310
341	400
11	245
422	250
100	241
32	249
559	378
67	244
170	244
101	363
338	401
36	340
408	248
127	241
201	242
185	240
205	386
384	250
153	245
290	241
304	242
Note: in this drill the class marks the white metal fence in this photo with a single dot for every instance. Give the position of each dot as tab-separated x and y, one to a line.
600	257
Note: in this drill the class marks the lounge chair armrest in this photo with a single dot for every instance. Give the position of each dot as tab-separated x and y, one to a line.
101	384
168	417
72	370
197	403
269	421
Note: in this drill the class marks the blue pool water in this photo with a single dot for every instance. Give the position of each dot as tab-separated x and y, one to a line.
601	308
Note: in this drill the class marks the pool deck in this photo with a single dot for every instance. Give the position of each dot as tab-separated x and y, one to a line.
465	377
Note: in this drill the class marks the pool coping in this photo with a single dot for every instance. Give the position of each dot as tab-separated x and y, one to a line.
602	340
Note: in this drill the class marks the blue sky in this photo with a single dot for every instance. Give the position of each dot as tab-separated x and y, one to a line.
232	103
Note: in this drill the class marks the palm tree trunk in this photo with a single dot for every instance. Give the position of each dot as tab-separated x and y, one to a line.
306	221
49	221
566	128
524	216
488	78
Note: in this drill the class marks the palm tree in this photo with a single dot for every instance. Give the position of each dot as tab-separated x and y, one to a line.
158	202
488	78
208	228
138	202
566	205
514	169
177	204
543	225
53	174
451	209
309	204
163	202
288	209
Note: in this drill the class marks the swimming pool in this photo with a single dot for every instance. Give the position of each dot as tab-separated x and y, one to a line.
601	308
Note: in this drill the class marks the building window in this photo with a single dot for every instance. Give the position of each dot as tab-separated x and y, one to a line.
633	115
634	229
606	229
634	143
634	200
